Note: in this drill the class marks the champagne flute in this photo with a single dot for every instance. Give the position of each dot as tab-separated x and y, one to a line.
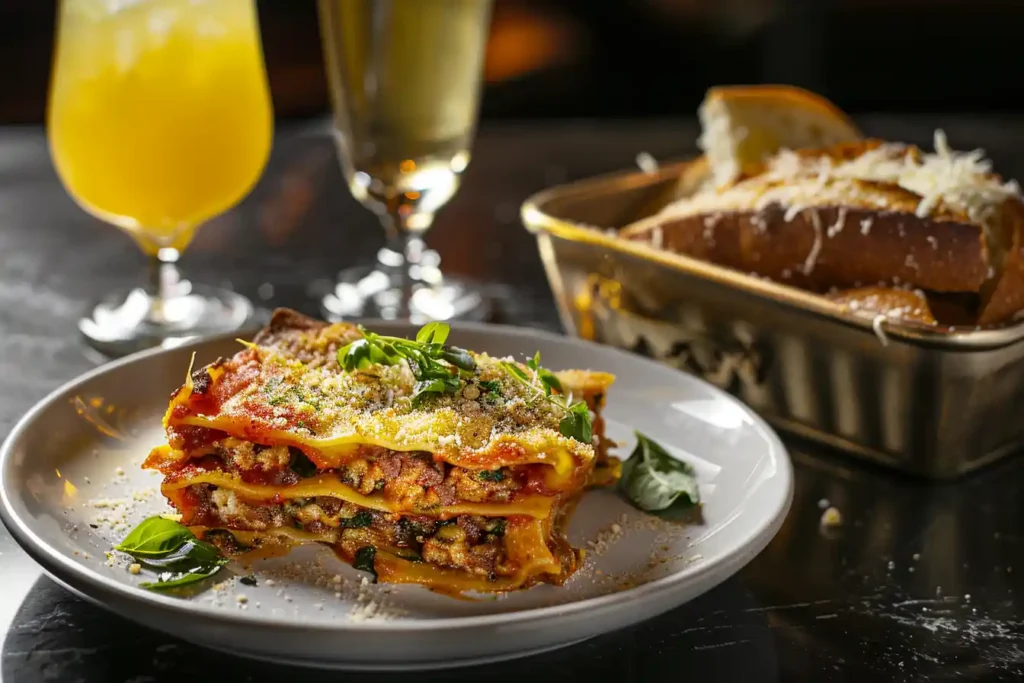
404	77
159	118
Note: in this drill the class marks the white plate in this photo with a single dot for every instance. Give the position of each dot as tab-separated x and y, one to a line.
69	474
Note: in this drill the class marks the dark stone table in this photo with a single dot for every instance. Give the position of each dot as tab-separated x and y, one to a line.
920	584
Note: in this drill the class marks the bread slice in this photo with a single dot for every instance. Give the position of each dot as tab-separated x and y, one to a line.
741	125
859	215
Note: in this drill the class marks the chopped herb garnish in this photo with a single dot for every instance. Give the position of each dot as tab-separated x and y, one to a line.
423	387
491	386
361	519
437	367
169	547
364	560
494	475
301	464
653	480
516	372
547	378
249	580
575	423
497	527
433	333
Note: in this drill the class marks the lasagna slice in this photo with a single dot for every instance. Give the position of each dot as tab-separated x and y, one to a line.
469	488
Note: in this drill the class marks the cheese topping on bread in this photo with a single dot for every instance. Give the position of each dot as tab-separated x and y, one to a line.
945	182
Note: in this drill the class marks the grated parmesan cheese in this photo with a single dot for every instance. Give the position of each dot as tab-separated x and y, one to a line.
647	163
719	141
812	256
837	227
958	180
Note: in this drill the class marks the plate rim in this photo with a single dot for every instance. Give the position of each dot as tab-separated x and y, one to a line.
54	561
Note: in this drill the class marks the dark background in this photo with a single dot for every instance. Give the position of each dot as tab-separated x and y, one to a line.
647	58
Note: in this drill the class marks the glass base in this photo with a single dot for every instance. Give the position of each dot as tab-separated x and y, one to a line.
365	292
125	322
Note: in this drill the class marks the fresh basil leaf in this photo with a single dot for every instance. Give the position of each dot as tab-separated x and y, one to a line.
166	545
427	386
516	371
177	579
191	553
549	380
575	424
428	368
494	475
460	358
385	353
361	519
301	464
433	333
364	560
355	356
155	537
653	480
491	386
534	363
422	366
366	352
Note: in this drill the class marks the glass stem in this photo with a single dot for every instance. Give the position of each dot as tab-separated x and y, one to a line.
402	261
163	283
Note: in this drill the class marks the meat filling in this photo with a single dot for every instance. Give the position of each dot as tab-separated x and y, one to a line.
410	479
468	542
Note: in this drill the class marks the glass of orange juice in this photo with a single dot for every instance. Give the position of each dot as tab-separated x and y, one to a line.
159	118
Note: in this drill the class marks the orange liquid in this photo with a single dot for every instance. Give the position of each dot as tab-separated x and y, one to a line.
159	114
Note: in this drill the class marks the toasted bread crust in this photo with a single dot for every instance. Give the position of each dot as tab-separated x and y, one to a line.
832	246
832	230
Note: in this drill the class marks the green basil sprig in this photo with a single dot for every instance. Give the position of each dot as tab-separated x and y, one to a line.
437	367
172	550
441	369
575	423
653	480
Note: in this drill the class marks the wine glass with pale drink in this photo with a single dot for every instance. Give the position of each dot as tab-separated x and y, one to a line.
404	78
159	118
